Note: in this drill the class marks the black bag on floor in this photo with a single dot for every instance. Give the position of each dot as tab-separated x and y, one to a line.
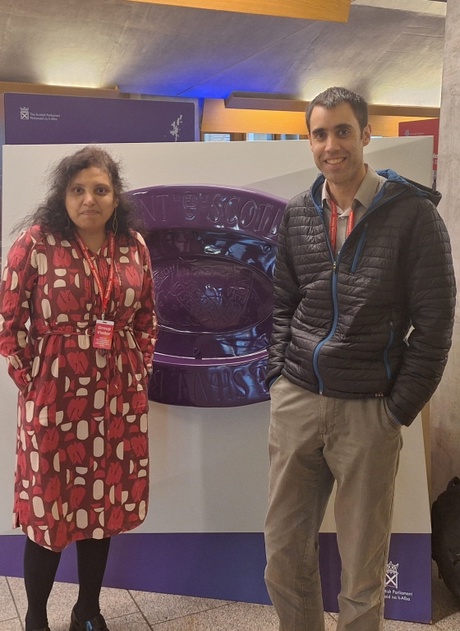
445	538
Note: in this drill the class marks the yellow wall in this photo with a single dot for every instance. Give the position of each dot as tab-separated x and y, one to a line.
389	125
219	119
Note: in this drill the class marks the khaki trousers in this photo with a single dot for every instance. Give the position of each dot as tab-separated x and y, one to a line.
314	441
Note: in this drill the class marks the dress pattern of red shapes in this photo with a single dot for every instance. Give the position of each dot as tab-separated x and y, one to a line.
82	442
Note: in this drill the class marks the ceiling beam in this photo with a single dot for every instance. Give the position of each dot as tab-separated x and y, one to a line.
282	103
325	10
263	101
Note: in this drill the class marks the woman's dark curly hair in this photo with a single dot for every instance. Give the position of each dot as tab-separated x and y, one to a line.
52	215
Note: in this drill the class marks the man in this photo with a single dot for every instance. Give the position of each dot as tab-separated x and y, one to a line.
364	298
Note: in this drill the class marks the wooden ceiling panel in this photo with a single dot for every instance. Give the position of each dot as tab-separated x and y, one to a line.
327	10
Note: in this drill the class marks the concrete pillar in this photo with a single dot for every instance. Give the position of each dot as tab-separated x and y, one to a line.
445	404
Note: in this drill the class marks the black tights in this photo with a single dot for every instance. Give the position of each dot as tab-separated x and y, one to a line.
40	567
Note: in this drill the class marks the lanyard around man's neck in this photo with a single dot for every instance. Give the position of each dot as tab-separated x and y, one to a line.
334	220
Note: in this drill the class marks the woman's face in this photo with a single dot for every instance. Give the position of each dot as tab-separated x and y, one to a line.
90	201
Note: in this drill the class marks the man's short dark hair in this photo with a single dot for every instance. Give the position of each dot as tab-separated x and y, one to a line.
332	97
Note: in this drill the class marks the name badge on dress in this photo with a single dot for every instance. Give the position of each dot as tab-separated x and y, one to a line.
103	334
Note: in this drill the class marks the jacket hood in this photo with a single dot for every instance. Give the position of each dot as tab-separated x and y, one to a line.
393	178
420	189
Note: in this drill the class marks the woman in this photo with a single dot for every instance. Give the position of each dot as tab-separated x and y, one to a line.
75	293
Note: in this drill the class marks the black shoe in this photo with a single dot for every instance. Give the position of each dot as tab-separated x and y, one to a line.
43	629
95	624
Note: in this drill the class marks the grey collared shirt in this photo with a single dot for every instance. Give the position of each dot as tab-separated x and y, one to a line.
368	189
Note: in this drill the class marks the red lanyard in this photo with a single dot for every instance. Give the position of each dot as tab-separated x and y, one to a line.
95	272
333	223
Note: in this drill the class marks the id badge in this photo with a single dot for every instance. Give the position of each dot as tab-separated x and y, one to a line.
103	334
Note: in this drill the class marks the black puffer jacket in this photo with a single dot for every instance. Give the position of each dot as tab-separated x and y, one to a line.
377	321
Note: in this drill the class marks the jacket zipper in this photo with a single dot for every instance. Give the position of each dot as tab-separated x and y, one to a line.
387	350
331	332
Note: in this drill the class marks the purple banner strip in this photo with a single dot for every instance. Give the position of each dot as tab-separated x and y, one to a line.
230	566
41	119
408	576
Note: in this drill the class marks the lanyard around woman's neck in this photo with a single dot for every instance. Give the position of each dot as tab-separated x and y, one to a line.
334	220
105	295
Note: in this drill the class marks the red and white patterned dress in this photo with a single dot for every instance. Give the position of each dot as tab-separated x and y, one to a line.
82	443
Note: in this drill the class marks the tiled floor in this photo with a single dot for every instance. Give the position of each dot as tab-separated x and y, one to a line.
140	611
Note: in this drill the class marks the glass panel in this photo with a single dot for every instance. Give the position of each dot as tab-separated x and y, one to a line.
216	138
251	136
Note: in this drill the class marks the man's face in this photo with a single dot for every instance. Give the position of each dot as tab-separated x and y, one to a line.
337	144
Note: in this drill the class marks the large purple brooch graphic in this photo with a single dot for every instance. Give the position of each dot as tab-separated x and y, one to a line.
213	251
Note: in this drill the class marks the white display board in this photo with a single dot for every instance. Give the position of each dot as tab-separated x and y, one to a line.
209	466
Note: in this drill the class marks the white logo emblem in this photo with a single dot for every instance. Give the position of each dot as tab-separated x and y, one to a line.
392	575
175	128
24	113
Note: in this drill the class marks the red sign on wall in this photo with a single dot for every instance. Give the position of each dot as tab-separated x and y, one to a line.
428	127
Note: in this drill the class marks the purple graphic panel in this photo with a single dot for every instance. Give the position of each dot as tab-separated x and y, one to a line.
43	119
213	251
408	576
227	566
230	566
